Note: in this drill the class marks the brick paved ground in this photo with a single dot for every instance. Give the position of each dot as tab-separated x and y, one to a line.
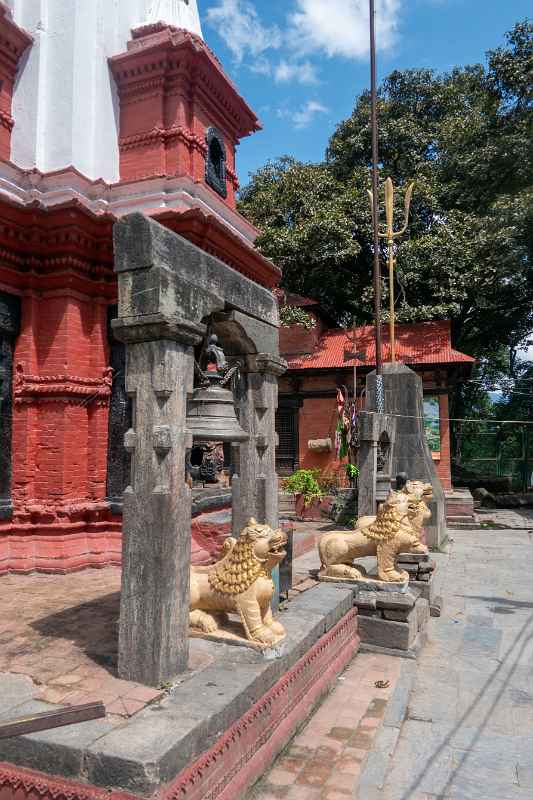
324	760
61	631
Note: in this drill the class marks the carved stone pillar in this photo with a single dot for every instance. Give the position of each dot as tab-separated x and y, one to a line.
154	608
255	483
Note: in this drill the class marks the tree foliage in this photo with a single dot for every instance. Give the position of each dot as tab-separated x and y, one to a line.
465	138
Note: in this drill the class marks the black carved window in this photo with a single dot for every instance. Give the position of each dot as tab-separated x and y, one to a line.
287	430
118	459
9	329
215	163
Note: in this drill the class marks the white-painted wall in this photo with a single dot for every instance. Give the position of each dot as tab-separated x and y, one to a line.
65	102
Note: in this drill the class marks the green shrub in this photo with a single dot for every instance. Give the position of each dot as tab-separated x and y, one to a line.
352	472
304	482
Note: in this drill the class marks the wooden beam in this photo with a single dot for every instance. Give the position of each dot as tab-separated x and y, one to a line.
51	719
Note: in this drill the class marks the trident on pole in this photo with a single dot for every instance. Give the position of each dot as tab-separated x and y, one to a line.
390	235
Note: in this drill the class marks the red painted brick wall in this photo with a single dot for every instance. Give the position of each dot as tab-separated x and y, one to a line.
443	466
317	420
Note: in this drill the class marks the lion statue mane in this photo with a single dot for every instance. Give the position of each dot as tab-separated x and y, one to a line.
385	536
240	583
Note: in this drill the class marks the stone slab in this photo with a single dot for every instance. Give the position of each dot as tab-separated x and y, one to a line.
422	610
389	633
155	745
368	584
412	558
399	601
396	615
160	272
426	588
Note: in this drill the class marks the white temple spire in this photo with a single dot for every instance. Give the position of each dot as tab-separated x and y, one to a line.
181	13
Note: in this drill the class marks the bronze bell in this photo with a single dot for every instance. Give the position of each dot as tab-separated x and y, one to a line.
211	408
211	415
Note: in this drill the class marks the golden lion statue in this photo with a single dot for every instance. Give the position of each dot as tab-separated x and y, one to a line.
241	582
389	533
418	493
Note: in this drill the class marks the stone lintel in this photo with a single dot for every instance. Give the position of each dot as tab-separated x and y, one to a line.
161	272
152	327
266	363
372	425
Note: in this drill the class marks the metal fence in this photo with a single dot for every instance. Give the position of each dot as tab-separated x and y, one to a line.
488	451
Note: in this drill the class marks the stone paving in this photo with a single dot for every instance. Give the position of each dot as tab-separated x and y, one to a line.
514	518
459	722
468	731
61	631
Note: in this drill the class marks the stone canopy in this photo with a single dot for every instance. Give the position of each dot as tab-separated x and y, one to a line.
170	291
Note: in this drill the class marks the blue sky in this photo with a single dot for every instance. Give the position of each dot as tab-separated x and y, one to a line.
301	63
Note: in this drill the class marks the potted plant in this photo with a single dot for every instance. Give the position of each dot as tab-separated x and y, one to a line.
304	485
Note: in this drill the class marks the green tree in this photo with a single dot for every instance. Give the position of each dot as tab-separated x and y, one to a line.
465	138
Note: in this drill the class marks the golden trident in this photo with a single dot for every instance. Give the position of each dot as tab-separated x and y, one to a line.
390	236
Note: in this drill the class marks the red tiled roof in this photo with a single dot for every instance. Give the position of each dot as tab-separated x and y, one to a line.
290	299
420	343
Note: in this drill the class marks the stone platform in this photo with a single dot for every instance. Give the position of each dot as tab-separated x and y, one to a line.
210	735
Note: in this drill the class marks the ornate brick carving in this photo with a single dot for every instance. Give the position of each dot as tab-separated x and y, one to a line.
62	388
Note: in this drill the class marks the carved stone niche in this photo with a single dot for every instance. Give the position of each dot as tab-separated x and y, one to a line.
377	438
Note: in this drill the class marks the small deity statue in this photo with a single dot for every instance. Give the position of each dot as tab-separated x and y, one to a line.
215	354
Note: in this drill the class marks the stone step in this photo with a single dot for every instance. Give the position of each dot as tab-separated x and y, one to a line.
465	526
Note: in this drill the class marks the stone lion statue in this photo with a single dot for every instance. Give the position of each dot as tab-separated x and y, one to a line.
417	493
384	536
241	583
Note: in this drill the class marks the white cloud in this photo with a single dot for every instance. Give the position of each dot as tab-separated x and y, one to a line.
341	27
238	23
286	71
303	117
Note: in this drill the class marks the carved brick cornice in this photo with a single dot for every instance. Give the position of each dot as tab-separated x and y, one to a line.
232	175
209	233
163	136
13	39
26	783
166	53
36	242
68	389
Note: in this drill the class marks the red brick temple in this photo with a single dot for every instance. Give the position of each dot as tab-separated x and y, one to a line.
151	123
321	360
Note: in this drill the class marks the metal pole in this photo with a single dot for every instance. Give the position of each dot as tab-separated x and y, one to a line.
375	218
392	311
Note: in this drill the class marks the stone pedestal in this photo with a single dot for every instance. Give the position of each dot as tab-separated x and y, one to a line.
411	454
391	621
